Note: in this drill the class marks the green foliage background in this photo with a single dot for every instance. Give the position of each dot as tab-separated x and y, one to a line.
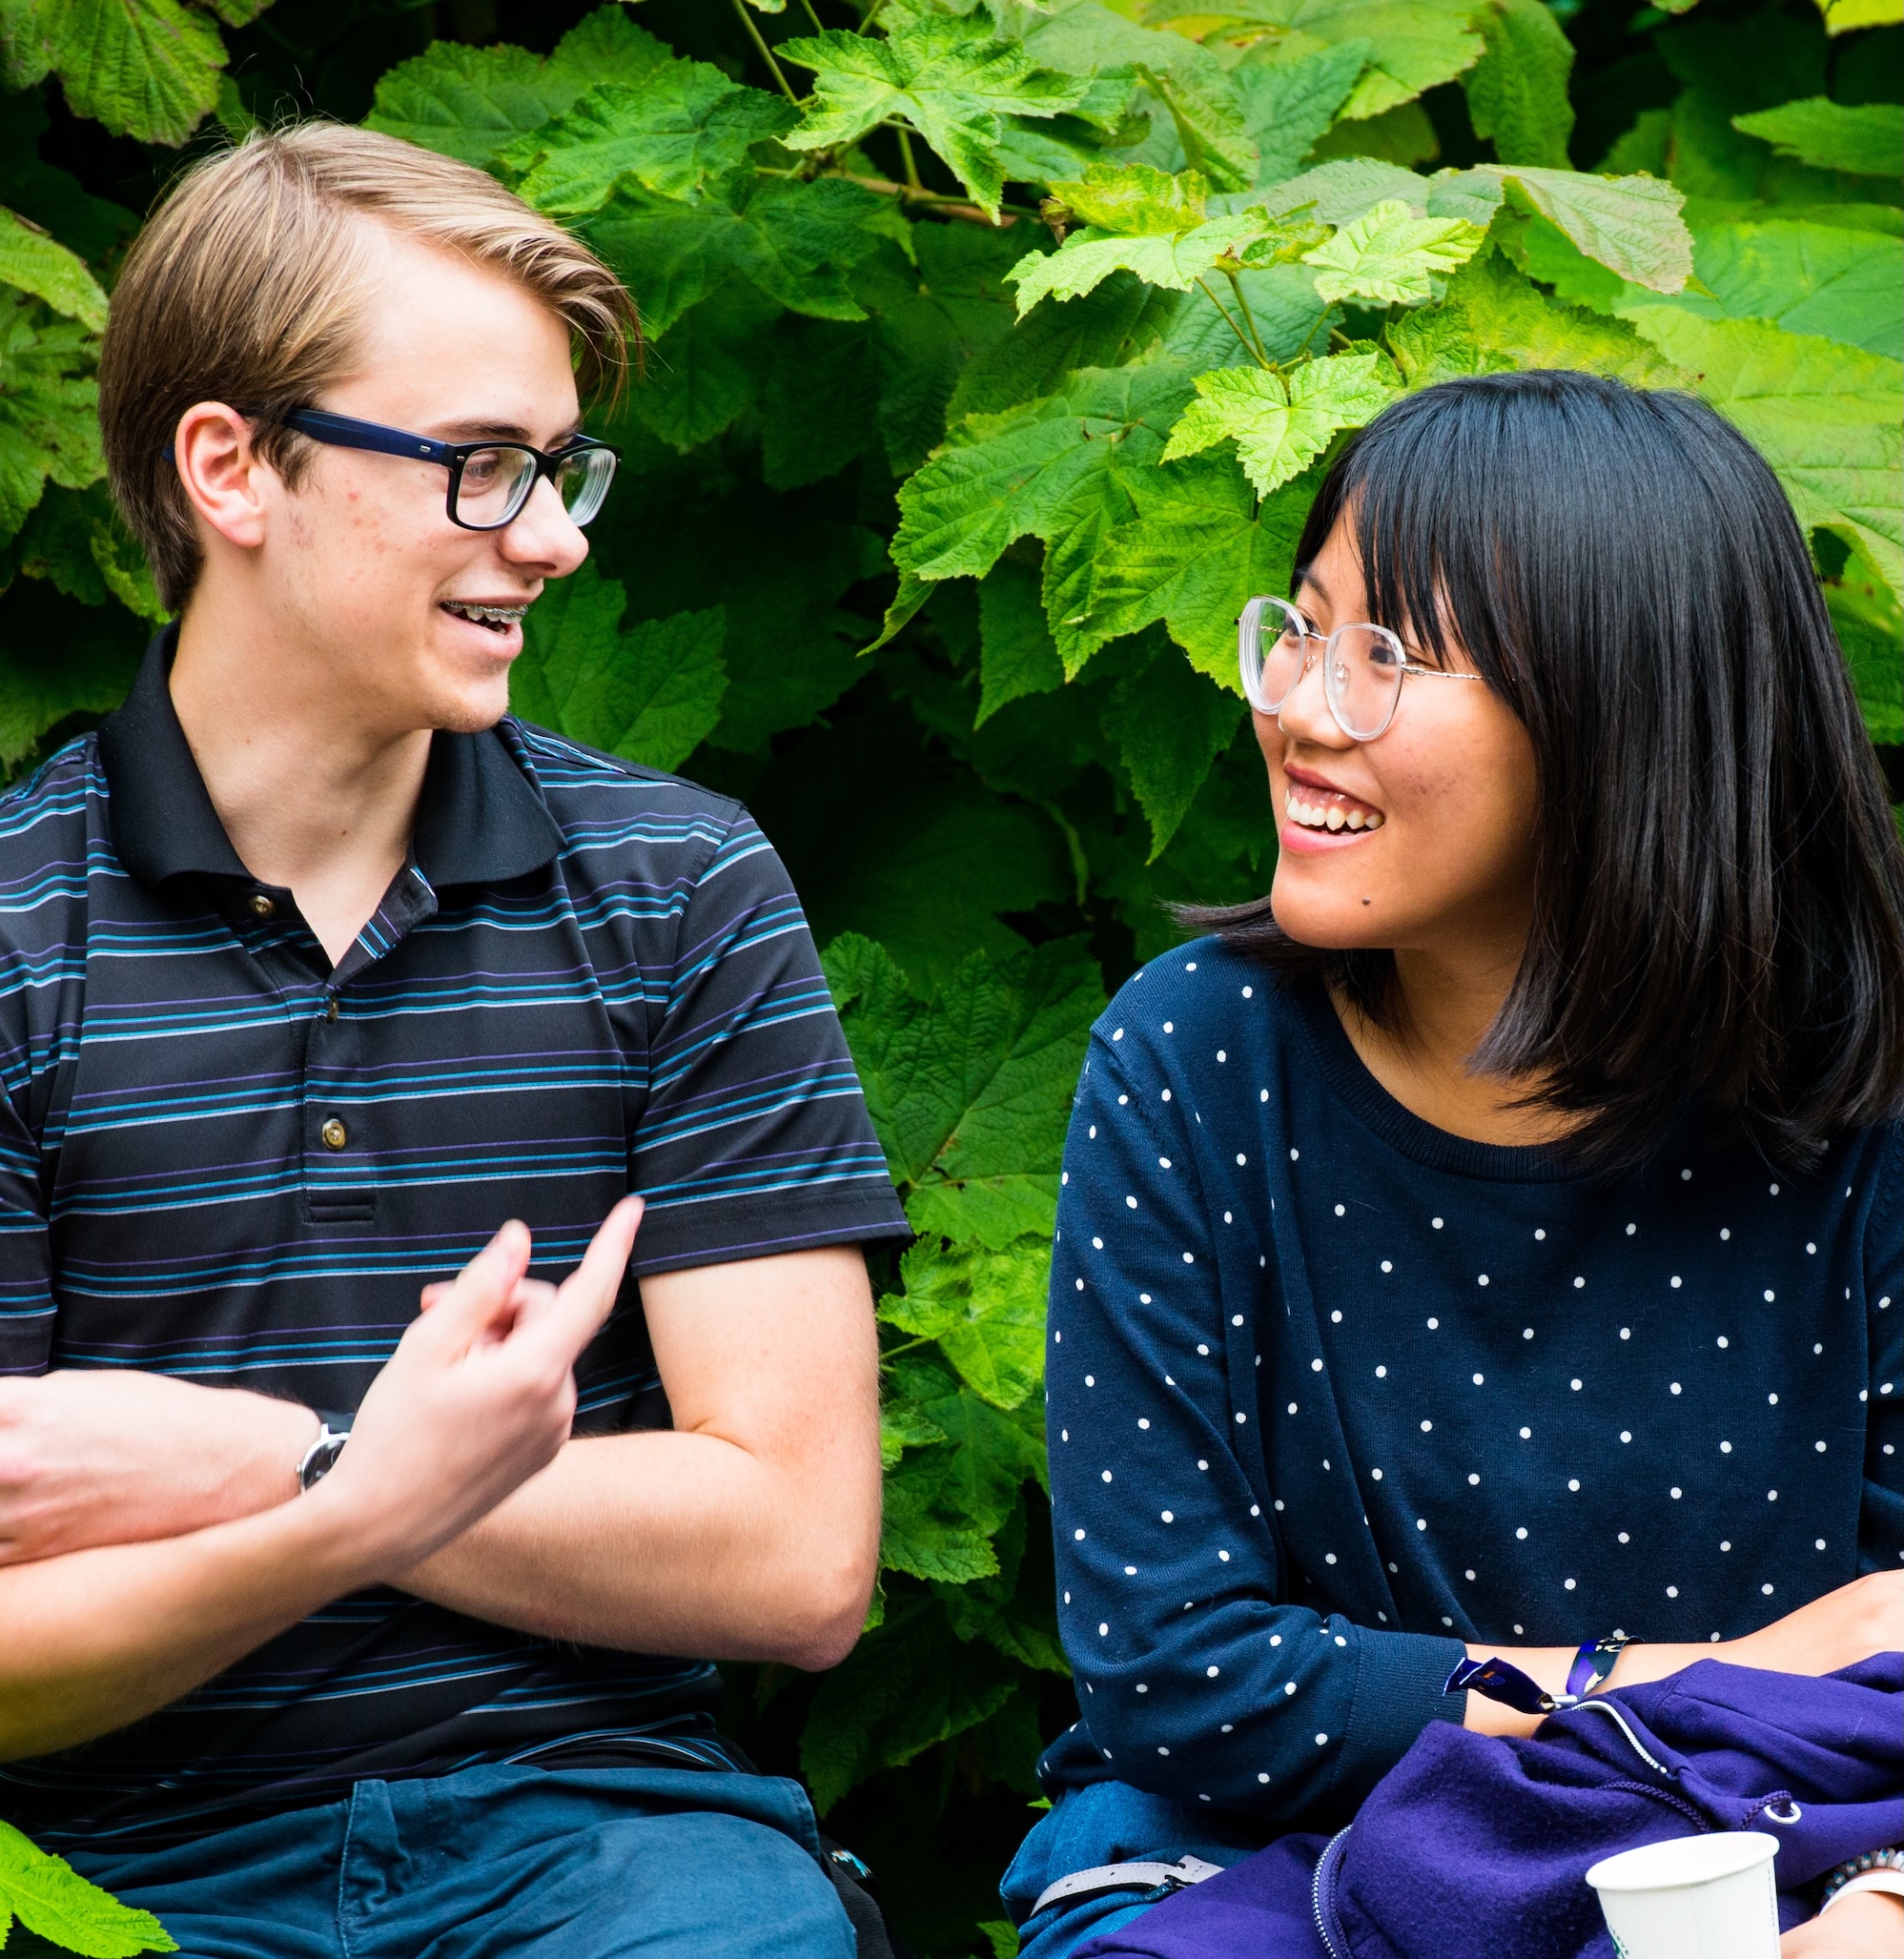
994	350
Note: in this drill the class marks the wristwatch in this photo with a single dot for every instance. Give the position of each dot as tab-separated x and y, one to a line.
322	1458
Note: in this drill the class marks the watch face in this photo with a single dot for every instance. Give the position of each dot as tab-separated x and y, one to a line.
321	1459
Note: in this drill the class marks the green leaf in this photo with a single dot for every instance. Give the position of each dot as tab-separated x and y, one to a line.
1348	187
1388	256
1170	723
49	1897
1413	45
1864	141
1517	91
1869	623
1280	425
902	1689
1196	551
1825	416
1289	104
818	408
1632	225
75	539
1018	656
473	102
1809	278
144	68
985	1308
32	262
1208	117
1405	136
1041	469
795	242
1841	16
1132	201
950	78
903	1427
994	1212
1173	261
49	407
1496	319
685	123
55	662
652	695
711	369
972	1080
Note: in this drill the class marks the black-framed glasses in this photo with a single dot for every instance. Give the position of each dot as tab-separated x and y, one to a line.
1362	666
489	481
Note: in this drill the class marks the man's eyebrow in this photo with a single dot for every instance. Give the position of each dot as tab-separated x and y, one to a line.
475	431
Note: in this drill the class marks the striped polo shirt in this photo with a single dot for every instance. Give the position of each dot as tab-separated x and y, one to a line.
223	1158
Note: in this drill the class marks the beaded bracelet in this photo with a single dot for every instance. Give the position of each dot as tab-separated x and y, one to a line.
1855	1866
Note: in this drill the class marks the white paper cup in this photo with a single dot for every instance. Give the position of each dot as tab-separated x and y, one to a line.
1711	1897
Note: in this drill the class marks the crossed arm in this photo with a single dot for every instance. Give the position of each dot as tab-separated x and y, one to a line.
151	1532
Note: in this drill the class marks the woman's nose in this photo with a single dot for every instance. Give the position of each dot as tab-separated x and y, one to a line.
1304	714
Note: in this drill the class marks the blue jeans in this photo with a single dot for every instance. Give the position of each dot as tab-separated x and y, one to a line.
1110	1822
503	1863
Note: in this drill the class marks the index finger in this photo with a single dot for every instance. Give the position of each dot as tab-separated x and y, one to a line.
587	1296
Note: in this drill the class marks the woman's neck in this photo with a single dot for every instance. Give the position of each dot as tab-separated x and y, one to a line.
1441	1007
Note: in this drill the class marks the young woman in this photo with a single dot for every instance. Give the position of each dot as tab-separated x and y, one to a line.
1493	1240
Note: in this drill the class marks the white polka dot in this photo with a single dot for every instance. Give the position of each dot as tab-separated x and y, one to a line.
1163	1162
1222	1557
1202	1462
1382	1374
1210	1673
1292	1407
1220	1055
1170	1027
1573	1483
1315	1367
1190	1259
1774	1193
1240	1417
1767	1589
1236	1320
1526	1434
1118	1035
1130	1571
1526	1333
1328	1556
1294	1153
1771	1496
1685	1176
1626	1435
1289	1687
1130	1202
1276	1639
1770	1295
1725	1234
1625	1538
1578	1283
1341	1210
1166	1095
1725	1448
1676	1493
1676	1282
1102	1628
1574	1384
1248	992
1320	1739
1191	967
1724	1341
1078	1534
1481	1280
1435	1222
1336	1318
1142	1689
1472	1477
1169	1516
1568	1583
1625	1333
1421	1524
1675	1388
1820	1446
1375	1473
1478	1381
1631	1229
1090	1381
1241	1160
1771	1400
1540	1233
1143	1421
1387	1265
1433	1324
1105	1474
1426	1426
1672	1591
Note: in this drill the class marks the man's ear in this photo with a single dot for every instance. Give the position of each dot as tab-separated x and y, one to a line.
227	481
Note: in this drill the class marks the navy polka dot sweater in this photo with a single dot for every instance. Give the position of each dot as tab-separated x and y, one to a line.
1332	1392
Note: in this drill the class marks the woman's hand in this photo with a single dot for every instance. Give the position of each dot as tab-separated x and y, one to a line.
1869	1925
1843	1627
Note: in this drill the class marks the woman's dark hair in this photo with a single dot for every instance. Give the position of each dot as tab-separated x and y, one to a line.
1719	887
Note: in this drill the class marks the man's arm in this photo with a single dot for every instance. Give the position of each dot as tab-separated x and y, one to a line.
750	1531
478	1397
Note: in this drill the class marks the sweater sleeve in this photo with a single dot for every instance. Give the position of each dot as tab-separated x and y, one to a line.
1881	1515
1196	1680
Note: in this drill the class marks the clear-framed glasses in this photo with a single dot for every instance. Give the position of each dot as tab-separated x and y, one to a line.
489	481
1362	666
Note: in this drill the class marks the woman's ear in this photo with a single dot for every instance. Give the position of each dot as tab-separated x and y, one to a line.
223	475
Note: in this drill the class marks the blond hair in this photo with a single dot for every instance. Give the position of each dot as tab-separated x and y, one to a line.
248	287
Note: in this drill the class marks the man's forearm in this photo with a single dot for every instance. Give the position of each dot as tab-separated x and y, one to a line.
93	1640
666	1542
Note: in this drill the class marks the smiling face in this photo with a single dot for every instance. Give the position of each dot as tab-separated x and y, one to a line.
409	618
1422	840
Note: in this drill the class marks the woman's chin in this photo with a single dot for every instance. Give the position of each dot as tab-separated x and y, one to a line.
1329	921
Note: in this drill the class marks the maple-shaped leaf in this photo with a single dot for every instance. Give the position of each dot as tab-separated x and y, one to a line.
1517	92
1039	469
37	263
1280	425
652	694
49	406
1829	419
1629	224
1170	723
49	1897
1172	260
686	123
473	102
1390	257
948	77
984	1307
1132	201
148	69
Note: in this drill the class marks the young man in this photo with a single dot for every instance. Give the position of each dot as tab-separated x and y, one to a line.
320	968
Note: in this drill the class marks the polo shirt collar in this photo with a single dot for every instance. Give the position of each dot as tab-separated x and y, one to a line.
480	819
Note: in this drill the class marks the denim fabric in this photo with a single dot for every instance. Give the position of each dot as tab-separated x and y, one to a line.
1110	1822
503	1863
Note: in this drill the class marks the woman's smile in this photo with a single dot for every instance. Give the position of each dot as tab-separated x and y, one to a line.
1319	816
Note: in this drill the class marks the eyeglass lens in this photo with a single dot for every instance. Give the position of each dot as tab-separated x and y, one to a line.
497	483
1361	674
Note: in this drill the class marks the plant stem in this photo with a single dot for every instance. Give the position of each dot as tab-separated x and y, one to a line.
765	52
905	1347
819	24
1247	346
906	153
1249	319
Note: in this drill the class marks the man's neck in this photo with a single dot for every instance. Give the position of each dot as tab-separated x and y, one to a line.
311	798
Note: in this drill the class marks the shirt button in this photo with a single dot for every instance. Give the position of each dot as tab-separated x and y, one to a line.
335	1135
261	905
330	1009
